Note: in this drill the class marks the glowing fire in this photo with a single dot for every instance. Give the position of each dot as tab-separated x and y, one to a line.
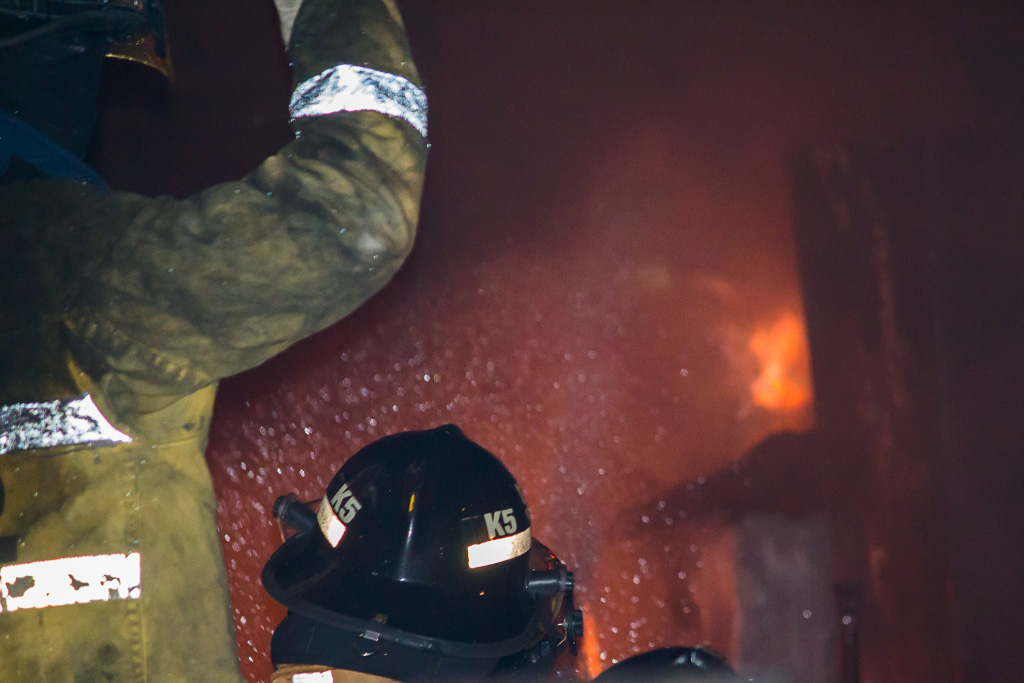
590	647
781	352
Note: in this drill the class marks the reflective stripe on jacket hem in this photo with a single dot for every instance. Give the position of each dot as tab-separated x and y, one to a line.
62	422
69	581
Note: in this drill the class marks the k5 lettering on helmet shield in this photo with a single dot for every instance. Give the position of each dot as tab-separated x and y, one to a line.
495	537
337	510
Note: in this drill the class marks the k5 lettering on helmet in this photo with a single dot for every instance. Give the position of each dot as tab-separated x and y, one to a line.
507	524
495	537
337	510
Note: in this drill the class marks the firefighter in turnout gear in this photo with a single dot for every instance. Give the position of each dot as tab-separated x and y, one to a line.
121	312
418	564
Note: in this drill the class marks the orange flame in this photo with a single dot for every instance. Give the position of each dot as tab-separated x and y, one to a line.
781	351
590	646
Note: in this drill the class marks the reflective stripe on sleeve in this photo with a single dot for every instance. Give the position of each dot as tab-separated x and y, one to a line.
499	549
63	422
347	87
69	581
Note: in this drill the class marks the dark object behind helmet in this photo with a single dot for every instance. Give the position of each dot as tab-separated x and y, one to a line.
52	84
421	564
130	29
672	665
51	57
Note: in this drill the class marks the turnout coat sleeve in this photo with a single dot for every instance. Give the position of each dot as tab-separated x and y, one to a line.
110	557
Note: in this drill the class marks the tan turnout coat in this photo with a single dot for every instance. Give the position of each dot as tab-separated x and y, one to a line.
143	304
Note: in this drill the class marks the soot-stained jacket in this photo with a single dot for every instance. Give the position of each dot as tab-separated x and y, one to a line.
118	315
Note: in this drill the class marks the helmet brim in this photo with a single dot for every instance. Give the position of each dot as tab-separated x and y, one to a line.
300	577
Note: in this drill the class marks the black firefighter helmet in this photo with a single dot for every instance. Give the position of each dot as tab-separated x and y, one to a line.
672	665
419	562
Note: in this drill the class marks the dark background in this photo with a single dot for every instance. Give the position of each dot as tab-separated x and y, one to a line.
610	292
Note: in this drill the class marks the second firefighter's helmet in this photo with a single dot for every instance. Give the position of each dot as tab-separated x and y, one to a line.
672	665
421	552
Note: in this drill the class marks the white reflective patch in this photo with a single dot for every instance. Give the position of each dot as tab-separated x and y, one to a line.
347	87
69	580
63	422
499	549
315	677
330	525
